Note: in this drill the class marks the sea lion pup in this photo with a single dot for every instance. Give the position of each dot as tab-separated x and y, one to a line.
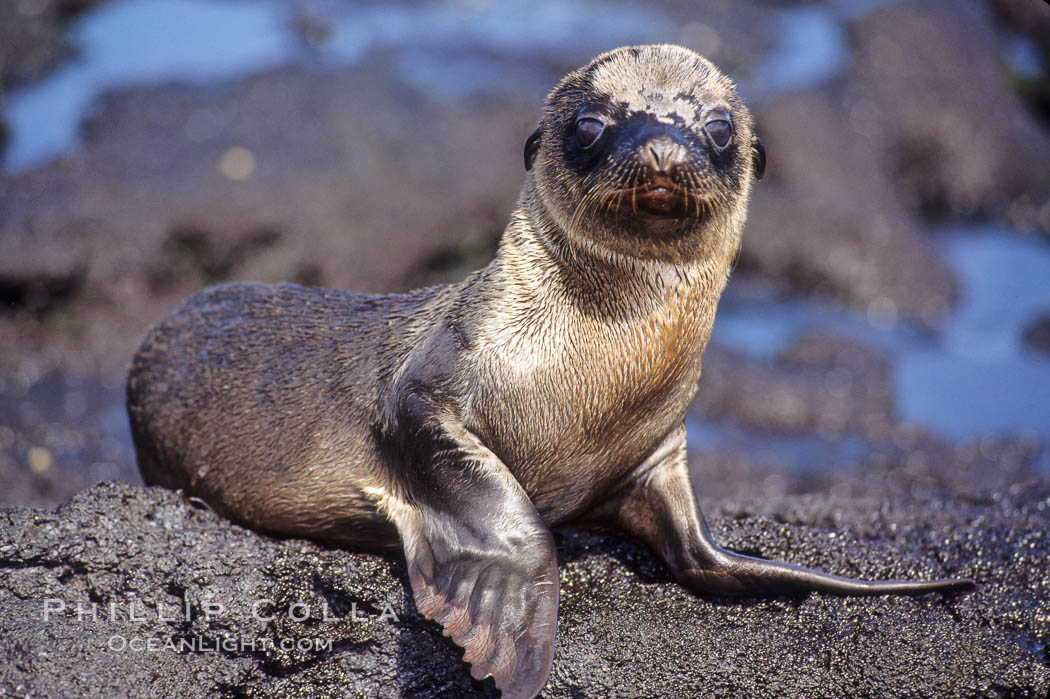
461	422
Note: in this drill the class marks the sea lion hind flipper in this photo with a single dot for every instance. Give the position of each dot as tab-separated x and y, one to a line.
481	562
660	509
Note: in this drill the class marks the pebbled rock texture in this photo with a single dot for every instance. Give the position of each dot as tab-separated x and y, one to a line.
161	564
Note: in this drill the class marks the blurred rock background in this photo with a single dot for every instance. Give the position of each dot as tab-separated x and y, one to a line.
887	330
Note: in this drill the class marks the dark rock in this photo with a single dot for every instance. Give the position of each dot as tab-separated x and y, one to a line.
30	42
859	164
821	383
59	435
820	418
905	464
962	141
625	629
1037	336
826	221
1031	19
31	38
335	178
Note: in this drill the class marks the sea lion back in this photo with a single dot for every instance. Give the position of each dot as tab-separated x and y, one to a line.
261	400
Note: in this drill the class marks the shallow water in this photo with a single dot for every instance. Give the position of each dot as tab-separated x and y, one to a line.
969	377
140	42
794	451
979	377
812	49
453	47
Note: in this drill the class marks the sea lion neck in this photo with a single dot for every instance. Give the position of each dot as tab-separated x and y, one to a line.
542	266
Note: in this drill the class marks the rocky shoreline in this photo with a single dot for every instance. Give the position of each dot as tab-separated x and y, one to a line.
220	604
352	175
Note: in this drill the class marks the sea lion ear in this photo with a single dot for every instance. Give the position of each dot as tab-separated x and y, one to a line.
532	147
758	157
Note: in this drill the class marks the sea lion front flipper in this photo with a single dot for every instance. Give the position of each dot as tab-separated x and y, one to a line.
481	561
659	508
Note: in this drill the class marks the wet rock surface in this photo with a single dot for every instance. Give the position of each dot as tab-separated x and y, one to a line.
316	177
944	159
341	176
352	176
625	629
60	435
913	137
1037	336
31	37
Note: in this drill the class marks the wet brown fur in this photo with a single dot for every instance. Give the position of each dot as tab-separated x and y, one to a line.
579	357
463	421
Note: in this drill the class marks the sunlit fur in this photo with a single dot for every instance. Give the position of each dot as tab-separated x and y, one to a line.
460	422
590	351
669	84
556	371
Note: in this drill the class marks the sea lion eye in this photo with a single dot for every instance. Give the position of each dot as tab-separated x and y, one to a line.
720	131
588	129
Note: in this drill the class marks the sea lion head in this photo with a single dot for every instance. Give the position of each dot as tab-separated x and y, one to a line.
646	151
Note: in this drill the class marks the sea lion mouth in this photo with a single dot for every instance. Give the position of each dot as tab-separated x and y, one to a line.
661	197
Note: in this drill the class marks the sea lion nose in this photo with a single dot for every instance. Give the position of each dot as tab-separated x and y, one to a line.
662	151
